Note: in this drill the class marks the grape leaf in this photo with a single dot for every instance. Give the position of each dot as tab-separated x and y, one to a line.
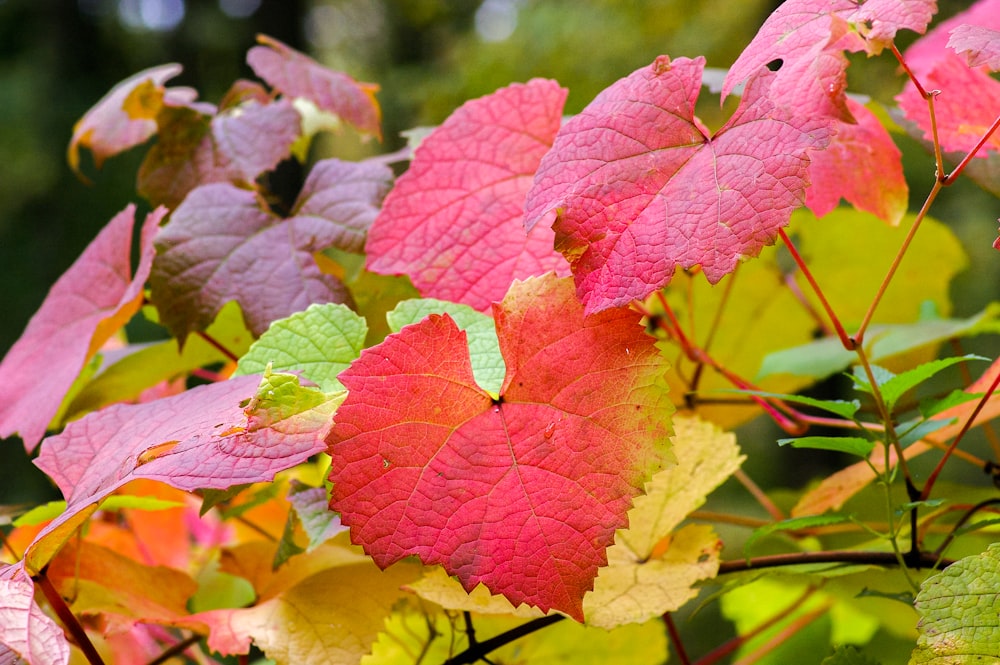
862	164
962	118
979	45
332	615
320	342
453	223
206	437
95	297
522	493
960	610
296	75
126	116
25	630
222	245
808	37
639	188
438	587
652	568
236	145
484	348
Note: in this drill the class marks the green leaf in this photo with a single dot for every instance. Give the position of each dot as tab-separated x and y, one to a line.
854	445
53	509
320	342
960	610
287	547
861	382
899	385
793	524
488	366
839	407
930	407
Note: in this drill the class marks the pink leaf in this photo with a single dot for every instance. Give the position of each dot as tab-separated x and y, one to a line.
235	146
296	75
222	245
981	46
126	116
969	98
640	189
454	221
25	630
95	297
809	38
521	493
862	165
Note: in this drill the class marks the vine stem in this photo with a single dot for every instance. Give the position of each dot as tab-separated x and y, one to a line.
923	559
848	343
932	478
951	177
480	649
675	639
788	631
68	619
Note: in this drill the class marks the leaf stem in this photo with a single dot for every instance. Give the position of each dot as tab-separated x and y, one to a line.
848	342
176	650
951	177
757	493
923	559
932	478
675	639
218	345
68	619
477	651
788	631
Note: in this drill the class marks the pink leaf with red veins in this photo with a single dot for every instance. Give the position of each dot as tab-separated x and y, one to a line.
126	116
861	164
809	38
522	493
296	75
95	297
454	221
967	104
639	188
981	46
25	630
222	244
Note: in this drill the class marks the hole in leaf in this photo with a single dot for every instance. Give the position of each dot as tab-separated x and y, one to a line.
775	64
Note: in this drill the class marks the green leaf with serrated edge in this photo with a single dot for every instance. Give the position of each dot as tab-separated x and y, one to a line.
792	524
839	407
311	504
488	366
287	547
848	655
960	612
52	509
853	445
860	378
909	432
210	498
320	342
827	356
930	407
904	597
899	385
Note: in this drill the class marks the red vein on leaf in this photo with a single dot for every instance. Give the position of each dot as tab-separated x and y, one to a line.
932	478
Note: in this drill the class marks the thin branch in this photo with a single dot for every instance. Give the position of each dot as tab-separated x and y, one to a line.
176	650
218	345
675	639
476	652
951	177
68	619
787	632
848	342
923	560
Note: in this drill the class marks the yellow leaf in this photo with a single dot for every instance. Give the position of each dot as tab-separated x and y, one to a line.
643	579
438	587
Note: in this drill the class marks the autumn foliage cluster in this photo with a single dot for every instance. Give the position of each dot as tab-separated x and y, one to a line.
476	410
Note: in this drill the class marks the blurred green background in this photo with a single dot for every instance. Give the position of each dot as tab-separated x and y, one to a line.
59	57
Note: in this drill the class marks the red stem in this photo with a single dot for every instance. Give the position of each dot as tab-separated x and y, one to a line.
951	177
218	345
675	639
848	342
68	619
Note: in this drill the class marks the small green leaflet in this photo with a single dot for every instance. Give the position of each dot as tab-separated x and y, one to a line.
854	445
839	407
930	406
792	524
899	385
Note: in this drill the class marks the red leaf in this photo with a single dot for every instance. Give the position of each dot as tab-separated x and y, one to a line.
296	75
221	245
862	165
981	46
809	38
25	630
639	188
523	493
95	297
454	221
235	146
969	98
126	116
